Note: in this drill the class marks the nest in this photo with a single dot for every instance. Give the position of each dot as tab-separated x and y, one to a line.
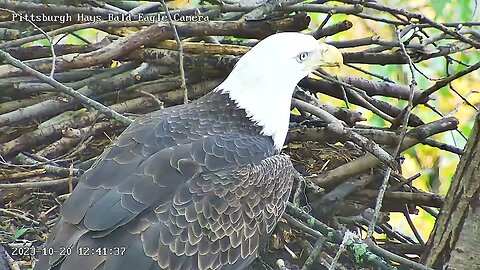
48	137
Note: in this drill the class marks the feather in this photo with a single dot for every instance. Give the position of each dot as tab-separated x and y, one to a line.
195	186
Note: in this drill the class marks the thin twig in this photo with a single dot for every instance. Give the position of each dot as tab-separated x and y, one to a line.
342	248
180	54
300	190
438	85
357	93
336	126
403	133
361	164
41	184
412	226
357	247
47	36
370	73
16	215
312	258
394	257
420	17
64	89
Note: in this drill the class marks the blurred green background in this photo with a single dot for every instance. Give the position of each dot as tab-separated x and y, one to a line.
436	167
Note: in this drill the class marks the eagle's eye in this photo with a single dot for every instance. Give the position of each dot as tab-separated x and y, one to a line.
302	56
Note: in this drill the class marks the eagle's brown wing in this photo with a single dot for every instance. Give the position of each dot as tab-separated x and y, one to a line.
166	201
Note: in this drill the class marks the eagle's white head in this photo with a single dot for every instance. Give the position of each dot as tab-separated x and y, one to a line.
264	79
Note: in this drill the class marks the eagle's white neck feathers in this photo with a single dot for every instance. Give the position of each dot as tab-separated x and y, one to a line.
263	81
266	102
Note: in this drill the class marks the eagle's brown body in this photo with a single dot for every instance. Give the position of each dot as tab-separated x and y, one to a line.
194	186
197	186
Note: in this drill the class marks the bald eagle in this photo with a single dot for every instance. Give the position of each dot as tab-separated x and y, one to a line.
194	186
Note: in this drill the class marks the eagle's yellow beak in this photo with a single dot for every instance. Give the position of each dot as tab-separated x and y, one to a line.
325	56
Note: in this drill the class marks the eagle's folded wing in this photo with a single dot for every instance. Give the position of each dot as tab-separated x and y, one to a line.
199	205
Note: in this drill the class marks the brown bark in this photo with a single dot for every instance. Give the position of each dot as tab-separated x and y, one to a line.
455	241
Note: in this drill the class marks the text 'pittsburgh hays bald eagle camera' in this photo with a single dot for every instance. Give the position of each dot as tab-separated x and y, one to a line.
194	186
